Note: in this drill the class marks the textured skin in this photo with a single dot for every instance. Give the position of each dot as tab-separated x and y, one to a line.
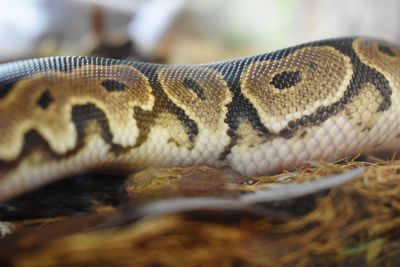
323	100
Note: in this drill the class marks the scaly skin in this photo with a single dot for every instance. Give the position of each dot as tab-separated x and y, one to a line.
323	100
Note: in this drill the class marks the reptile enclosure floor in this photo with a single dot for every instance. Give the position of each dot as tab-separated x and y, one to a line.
140	221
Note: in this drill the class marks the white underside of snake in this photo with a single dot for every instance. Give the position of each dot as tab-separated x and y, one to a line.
318	101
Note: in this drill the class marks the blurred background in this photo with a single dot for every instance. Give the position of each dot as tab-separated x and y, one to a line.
184	31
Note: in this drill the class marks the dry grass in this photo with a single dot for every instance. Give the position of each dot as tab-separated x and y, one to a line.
355	224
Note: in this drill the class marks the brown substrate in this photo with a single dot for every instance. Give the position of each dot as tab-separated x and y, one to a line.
137	223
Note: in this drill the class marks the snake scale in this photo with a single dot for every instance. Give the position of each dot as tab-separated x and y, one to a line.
323	100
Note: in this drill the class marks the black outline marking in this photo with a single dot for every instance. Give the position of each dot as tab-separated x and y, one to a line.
191	84
82	114
162	104
5	89
34	141
286	79
240	108
45	100
113	85
362	74
386	50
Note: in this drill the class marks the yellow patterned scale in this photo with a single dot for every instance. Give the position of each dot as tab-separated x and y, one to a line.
324	100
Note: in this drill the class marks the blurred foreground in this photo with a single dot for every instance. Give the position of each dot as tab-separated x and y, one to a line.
199	217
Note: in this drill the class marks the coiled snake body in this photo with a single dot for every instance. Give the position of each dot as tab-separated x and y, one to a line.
322	100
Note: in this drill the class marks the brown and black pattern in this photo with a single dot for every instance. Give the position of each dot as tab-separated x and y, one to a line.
162	106
260	94
61	102
276	93
48	102
201	92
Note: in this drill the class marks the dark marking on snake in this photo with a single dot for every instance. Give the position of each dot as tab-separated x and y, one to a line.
162	104
45	100
189	123
362	74
240	109
386	50
5	89
32	141
286	79
82	114
195	87
144	120
113	85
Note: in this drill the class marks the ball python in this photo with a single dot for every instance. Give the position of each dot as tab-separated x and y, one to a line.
323	100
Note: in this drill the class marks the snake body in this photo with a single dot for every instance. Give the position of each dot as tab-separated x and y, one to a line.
328	99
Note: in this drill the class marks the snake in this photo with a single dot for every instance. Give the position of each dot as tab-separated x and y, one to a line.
322	100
